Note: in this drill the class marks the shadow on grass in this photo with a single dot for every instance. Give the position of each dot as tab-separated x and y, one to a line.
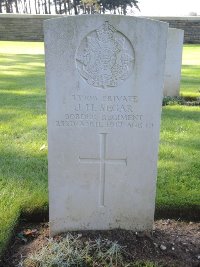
22	71
34	103
22	166
191	213
189	144
23	187
181	115
21	58
190	81
190	75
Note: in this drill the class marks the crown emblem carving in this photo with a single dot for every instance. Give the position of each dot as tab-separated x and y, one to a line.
105	57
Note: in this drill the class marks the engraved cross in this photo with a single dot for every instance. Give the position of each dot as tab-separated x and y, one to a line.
102	161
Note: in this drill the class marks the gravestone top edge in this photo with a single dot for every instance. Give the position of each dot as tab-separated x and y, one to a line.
177	30
106	16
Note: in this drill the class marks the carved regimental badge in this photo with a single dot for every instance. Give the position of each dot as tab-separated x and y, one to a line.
105	57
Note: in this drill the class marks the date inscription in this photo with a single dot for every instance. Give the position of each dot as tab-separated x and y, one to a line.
103	112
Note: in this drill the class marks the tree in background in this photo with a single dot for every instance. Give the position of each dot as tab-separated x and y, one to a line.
68	7
90	6
118	6
7	5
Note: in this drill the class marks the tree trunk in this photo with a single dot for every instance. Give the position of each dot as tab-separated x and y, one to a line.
65	7
75	7
16	7
38	4
69	7
25	7
124	9
29	3
36	11
45	7
7	7
56	11
83	8
49	5
60	7
42	5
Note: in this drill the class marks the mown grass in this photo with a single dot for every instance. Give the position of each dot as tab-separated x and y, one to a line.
178	184
179	165
190	79
23	164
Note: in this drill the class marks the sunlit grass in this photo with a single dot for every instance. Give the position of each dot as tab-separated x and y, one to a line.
21	72
179	165
190	81
10	47
191	54
23	164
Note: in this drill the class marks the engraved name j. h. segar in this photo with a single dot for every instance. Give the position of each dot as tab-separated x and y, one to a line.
105	57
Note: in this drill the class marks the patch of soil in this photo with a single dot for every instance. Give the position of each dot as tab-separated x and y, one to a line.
171	243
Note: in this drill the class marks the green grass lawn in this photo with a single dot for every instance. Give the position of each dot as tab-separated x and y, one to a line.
23	166
23	138
179	164
190	73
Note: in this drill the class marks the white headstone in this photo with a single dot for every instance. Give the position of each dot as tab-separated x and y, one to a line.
173	62
104	77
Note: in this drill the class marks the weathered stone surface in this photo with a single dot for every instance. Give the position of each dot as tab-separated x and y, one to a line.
104	77
173	62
